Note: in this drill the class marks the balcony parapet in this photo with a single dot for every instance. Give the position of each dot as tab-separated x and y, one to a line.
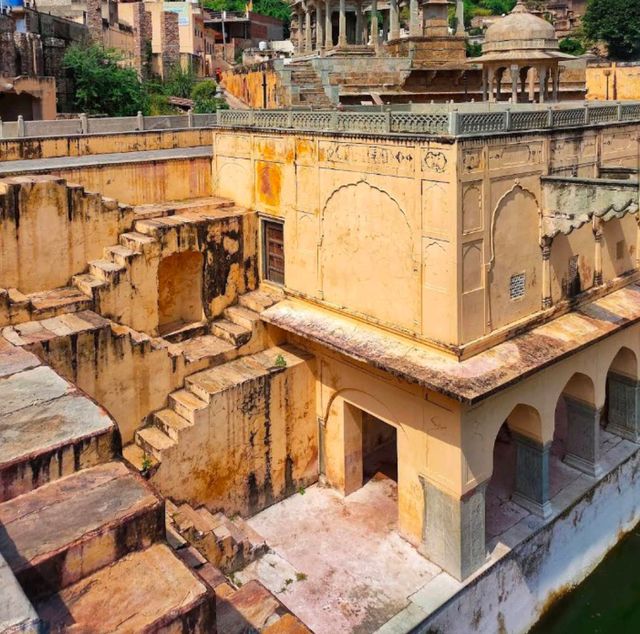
570	203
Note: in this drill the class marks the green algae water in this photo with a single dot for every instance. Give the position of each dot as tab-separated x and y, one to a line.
607	602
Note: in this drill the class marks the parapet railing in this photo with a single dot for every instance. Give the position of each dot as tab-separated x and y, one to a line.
445	120
103	125
434	119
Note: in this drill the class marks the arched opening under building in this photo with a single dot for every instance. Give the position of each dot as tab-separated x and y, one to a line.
180	291
379	449
620	413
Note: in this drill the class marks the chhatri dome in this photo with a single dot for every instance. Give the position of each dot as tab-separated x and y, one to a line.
526	46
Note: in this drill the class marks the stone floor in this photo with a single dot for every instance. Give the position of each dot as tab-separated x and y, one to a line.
338	563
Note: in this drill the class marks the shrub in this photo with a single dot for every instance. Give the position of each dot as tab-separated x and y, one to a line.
617	23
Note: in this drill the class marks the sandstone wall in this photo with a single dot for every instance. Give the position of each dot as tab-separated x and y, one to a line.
51	147
50	230
254	445
248	87
614	81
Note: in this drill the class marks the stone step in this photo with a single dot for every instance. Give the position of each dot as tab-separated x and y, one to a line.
57	534
170	423
138	459
136	241
119	255
89	284
230	331
207	383
63	325
17	615
48	430
188	405
153	441
146	591
260	299
209	347
242	316
181	331
161	210
250	608
106	270
68	299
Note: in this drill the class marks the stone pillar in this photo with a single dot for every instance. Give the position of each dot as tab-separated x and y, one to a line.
485	81
415	28
319	27
583	436
556	83
532	475
523	82
307	30
546	272
375	28
624	406
342	24
499	76
300	42
94	20
328	26
515	74
460	18
490	77
542	71
358	23
169	41
598	238
394	20
140	39
454	533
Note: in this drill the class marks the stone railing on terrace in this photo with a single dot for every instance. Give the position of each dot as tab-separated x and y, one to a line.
448	119
463	119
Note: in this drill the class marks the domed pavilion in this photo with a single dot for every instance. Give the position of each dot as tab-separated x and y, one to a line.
526	46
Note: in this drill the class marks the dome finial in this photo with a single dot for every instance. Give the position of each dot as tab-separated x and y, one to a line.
520	7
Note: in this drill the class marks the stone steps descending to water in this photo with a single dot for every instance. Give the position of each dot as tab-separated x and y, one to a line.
65	530
145	591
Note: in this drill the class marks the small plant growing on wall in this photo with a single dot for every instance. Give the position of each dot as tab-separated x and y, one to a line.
146	465
280	362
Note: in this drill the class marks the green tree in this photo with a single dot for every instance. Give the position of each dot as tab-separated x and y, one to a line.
498	7
225	5
102	85
179	82
572	46
274	8
617	23
204	98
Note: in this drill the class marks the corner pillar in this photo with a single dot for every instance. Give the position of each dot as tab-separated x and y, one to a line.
358	23
394	20
546	272
583	437
342	24
454	529
515	74
624	406
543	84
490	78
532	475
556	83
460	18
319	27
375	28
328	27
415	28
307	31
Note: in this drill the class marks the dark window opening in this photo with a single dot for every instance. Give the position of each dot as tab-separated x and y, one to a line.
273	251
379	449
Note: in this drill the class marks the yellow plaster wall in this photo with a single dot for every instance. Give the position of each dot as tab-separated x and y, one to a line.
367	222
145	182
623	81
248	87
255	444
50	230
51	147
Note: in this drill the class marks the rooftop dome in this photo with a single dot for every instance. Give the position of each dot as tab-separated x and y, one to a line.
520	30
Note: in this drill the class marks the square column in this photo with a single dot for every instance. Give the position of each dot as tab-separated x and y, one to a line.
583	437
394	20
415	28
454	534
375	28
319	27
358	23
307	31
342	24
532	475
328	27
624	402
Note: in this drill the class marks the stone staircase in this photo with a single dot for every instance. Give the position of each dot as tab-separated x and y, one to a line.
116	284
188	407
311	91
81	532
230	544
201	538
